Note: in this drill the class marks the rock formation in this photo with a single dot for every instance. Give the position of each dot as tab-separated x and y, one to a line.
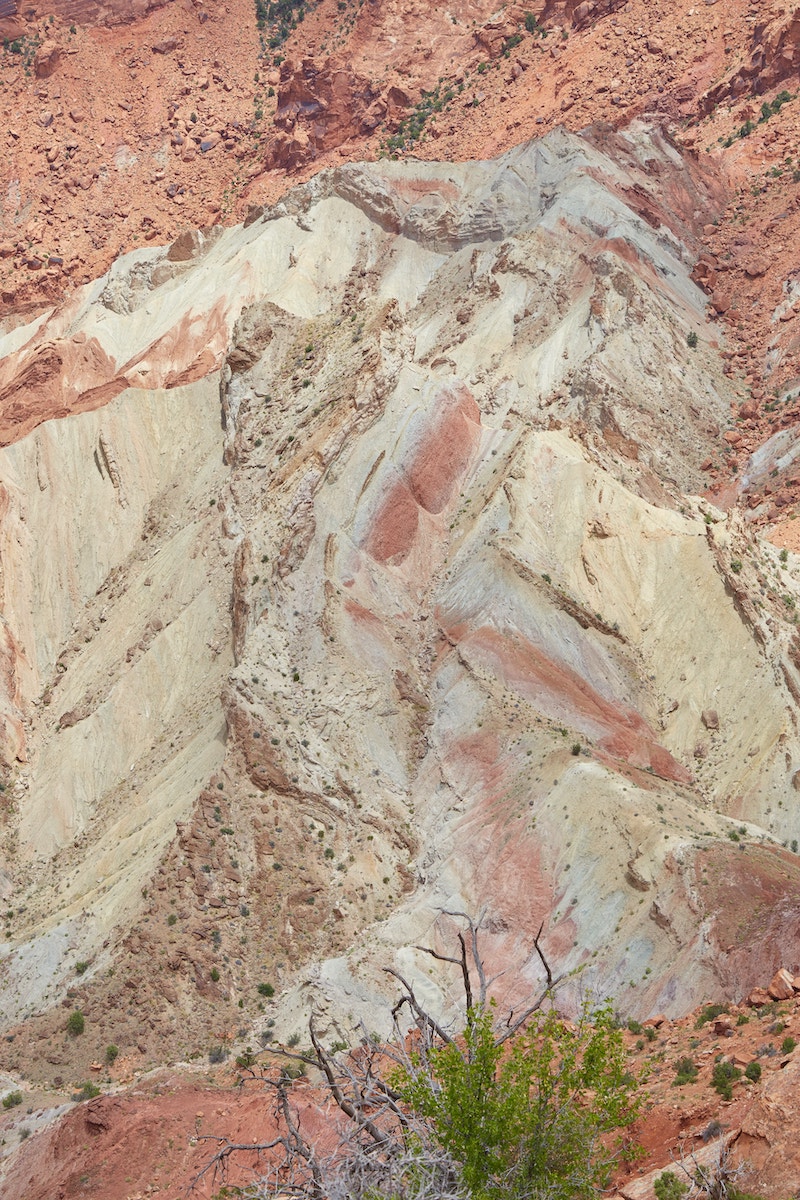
398	551
430	596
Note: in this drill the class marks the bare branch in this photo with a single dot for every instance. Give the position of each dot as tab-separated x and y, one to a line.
424	1019
353	1111
537	947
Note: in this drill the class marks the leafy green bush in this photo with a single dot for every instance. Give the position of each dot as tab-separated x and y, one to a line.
112	1053
753	1071
532	26
519	1121
87	1092
685	1072
787	1045
266	989
669	1187
12	1099
692	340
723	1075
76	1023
710	1012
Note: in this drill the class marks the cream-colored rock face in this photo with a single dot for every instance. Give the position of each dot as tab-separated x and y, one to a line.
117	592
444	561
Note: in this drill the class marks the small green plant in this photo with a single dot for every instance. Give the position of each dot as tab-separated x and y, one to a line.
710	1012
87	1092
650	1033
723	1075
266	989
634	1026
685	1072
214	975
172	919
81	967
293	1040
669	1187
787	1045
76	1023
411	128
736	566
753	1071
532	26
12	1099
692	339
217	1055
112	1053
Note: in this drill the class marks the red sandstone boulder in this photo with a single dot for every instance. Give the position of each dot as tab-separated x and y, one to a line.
46	60
782	985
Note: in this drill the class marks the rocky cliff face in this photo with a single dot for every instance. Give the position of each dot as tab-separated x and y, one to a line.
399	552
386	580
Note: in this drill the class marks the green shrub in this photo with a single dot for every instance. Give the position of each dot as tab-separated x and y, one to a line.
669	1187
710	1012
692	339
214	975
634	1026
753	1071
685	1072
12	1099
650	1032
787	1045
723	1075
529	1121
76	1023
81	967
266	989
87	1092
112	1053
172	919
533	26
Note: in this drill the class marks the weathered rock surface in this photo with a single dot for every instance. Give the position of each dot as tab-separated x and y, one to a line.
476	617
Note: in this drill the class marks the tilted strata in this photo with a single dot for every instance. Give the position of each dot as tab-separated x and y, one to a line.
369	556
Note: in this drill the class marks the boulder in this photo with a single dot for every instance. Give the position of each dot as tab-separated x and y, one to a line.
46	60
782	985
166	45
